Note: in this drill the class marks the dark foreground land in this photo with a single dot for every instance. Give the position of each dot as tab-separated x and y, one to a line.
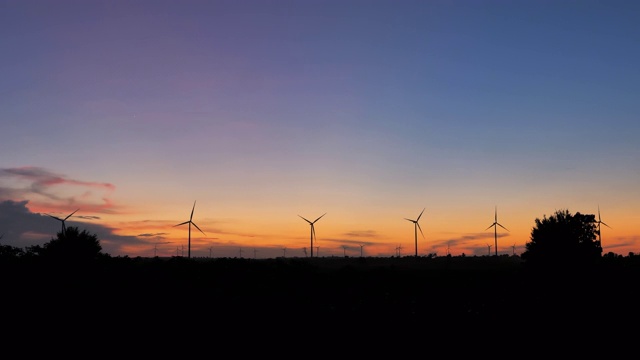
321	298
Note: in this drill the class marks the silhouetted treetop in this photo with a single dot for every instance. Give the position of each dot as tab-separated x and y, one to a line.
71	245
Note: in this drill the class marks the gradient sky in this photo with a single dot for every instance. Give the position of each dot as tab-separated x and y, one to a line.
368	111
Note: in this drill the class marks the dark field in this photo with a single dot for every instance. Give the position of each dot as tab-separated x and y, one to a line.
298	297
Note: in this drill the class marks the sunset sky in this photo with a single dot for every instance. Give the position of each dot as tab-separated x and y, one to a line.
263	112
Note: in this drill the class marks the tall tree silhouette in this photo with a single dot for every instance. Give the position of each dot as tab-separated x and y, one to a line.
72	245
563	239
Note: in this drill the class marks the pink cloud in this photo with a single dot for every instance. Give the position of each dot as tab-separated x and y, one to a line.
44	190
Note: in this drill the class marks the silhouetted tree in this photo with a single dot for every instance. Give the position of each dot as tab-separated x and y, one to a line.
563	239
10	252
71	246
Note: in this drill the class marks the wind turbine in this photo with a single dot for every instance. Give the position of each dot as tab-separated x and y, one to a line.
416	226
495	230
398	248
64	228
313	230
190	223
599	222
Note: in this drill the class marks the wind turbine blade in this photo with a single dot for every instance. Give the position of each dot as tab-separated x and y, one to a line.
601	222
186	222
68	216
319	217
55	217
420	214
502	227
413	221
306	220
313	231
419	228
496	214
492	225
194	224
192	209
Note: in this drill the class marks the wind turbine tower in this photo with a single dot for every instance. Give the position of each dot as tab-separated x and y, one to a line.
313	230
398	249
416	226
600	222
495	230
190	222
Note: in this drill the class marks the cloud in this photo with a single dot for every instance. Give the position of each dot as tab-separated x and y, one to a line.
42	178
619	242
152	234
23	228
472	237
88	217
362	233
48	191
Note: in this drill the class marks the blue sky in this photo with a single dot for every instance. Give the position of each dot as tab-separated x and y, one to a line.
367	110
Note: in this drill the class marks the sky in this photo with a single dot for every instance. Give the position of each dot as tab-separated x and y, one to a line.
257	114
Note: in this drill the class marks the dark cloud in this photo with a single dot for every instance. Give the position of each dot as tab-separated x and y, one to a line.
22	228
465	239
475	243
619	242
151	234
88	217
362	233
